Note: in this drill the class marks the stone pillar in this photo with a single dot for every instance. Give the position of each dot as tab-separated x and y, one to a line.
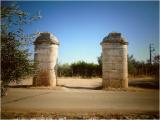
45	58
114	61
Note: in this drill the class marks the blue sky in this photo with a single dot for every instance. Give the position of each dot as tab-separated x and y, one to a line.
81	26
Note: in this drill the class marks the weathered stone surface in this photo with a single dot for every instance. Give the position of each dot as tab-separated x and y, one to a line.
114	37
114	61
47	38
46	52
112	83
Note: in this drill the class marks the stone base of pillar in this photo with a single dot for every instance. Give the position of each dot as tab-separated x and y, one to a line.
45	78
115	83
125	83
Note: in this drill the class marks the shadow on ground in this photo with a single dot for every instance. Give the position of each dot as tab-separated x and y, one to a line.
20	86
150	84
77	87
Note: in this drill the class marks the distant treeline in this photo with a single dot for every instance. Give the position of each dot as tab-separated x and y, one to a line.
85	70
140	68
80	69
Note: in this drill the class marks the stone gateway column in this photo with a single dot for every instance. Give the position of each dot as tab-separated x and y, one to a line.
45	58
114	61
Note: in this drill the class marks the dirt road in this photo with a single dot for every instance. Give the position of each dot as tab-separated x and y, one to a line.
20	99
31	102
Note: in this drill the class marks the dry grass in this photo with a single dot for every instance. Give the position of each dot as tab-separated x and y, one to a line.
88	115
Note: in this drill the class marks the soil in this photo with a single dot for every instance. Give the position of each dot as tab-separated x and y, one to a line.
76	98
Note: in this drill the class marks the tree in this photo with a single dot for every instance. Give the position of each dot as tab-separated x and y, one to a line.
156	59
15	63
156	62
14	54
64	70
80	69
13	20
84	69
131	65
99	59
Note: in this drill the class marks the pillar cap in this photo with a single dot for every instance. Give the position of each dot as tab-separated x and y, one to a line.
114	37
46	37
